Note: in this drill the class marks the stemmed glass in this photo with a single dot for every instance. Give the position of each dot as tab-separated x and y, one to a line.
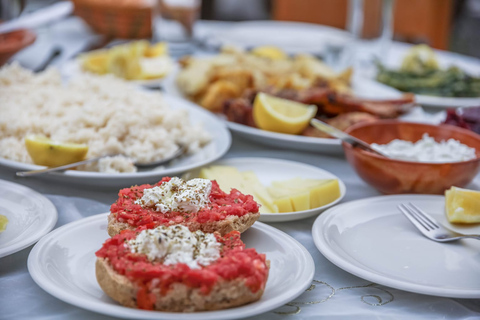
372	37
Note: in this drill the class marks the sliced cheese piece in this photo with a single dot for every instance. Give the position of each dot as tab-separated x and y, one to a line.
226	177
301	201
325	193
260	193
322	191
246	182
283	204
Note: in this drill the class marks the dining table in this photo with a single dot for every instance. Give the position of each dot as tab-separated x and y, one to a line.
334	293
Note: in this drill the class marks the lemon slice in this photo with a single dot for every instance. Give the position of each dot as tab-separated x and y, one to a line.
462	205
3	223
154	68
95	62
46	152
158	49
281	115
269	52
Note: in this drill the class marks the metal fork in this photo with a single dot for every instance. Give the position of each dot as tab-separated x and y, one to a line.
429	226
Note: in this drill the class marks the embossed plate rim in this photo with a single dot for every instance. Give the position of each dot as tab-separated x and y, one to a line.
45	225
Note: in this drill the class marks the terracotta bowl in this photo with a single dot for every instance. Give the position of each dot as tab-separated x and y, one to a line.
396	176
126	19
13	42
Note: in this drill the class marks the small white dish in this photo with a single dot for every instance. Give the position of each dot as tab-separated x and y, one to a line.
216	148
269	170
63	264
30	216
371	239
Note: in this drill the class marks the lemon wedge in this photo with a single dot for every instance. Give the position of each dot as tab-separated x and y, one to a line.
46	152
281	115
462	205
137	60
3	223
154	68
95	61
269	52
158	49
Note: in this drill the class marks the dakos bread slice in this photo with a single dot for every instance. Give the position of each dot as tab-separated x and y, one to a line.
220	212
138	277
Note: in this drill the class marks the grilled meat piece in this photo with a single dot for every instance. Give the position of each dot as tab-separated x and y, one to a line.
239	111
330	104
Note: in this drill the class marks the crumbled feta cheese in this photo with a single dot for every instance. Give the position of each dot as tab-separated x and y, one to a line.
427	150
178	195
177	244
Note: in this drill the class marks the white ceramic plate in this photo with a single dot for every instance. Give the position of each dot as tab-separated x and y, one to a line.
364	88
63	264
371	239
30	217
72	68
221	141
445	103
269	170
292	37
445	59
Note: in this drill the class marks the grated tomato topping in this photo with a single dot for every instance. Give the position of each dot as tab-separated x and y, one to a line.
222	205
235	262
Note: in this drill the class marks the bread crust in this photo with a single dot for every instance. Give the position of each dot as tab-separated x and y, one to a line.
180	298
223	227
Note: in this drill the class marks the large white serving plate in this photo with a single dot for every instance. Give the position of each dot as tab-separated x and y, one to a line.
365	88
63	264
30	217
371	239
292	37
269	170
216	148
446	102
445	59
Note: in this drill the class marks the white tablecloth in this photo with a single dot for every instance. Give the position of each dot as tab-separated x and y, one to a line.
334	294
337	294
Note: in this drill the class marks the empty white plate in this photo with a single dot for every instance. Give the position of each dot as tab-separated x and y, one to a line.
63	264
269	170
30	217
371	239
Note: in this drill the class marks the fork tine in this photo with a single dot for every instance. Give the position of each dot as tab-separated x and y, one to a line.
419	224
425	216
419	217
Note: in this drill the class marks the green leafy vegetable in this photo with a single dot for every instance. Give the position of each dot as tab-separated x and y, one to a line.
420	74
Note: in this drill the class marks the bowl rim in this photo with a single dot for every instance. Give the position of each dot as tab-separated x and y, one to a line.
28	37
395	122
114	6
